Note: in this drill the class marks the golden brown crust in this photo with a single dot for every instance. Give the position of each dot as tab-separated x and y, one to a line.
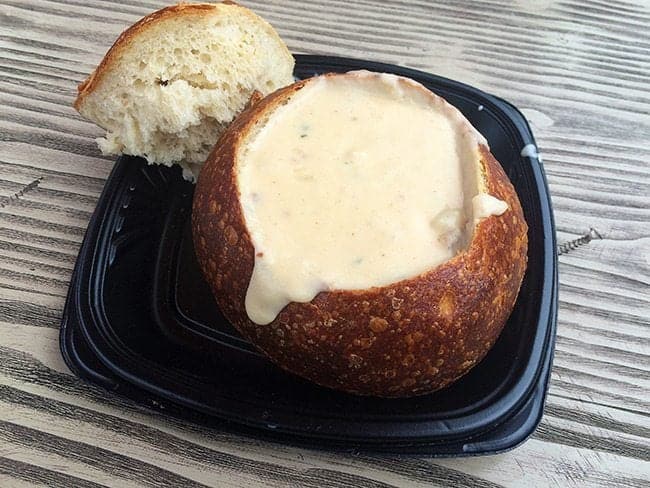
256	97
408	338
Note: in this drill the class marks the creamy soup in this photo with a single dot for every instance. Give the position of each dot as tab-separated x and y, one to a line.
356	184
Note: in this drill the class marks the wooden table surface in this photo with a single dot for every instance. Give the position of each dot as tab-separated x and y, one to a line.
579	71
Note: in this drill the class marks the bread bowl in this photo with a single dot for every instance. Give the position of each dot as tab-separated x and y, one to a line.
173	81
453	264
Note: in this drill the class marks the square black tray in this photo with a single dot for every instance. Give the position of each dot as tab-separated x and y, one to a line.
139	319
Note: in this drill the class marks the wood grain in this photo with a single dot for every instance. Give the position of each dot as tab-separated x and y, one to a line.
578	69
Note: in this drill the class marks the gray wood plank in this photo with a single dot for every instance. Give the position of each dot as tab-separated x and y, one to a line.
578	70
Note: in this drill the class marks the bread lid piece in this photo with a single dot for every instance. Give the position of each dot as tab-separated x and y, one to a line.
172	82
356	181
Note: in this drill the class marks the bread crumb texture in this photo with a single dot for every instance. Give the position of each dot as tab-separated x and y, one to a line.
173	82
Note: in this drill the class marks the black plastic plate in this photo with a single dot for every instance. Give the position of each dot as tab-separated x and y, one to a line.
140	320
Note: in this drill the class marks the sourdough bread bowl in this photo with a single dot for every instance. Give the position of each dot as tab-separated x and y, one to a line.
356	229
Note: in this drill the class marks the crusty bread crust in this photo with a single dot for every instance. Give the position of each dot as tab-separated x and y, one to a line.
131	35
408	338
